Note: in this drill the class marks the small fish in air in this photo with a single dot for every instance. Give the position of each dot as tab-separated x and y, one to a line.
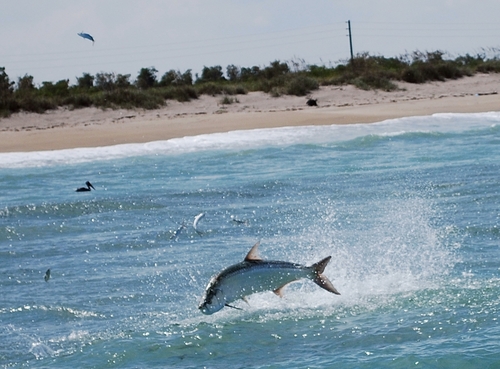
86	36
196	221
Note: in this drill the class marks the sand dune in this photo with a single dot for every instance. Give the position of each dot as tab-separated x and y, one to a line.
91	127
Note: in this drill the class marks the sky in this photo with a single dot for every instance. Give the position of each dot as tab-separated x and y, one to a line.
39	38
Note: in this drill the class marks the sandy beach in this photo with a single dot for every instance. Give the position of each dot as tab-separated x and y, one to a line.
91	127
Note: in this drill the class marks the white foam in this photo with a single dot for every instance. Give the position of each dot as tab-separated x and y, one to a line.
248	139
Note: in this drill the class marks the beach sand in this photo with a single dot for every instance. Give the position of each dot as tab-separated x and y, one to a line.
91	127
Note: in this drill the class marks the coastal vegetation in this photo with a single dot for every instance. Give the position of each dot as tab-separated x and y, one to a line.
148	91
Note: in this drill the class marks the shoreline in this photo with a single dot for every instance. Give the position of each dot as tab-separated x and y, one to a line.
91	127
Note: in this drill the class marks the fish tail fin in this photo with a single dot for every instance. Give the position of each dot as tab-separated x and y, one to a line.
320	279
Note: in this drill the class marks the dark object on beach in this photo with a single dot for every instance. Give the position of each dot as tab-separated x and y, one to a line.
85	189
312	102
47	275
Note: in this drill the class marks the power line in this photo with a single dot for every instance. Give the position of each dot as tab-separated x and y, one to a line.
261	36
93	61
105	53
198	48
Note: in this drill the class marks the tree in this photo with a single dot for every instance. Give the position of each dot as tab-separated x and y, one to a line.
176	78
85	82
105	81
6	86
25	84
58	89
187	78
250	73
276	69
211	74
233	72
169	78
146	78
111	81
122	80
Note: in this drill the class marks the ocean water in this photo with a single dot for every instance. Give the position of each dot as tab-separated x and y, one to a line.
409	210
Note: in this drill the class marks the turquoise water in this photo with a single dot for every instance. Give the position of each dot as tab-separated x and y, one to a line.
408	209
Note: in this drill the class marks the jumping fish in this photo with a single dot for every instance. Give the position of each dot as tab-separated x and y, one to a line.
177	232
195	223
87	36
256	275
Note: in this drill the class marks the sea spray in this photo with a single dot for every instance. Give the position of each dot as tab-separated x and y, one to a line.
407	209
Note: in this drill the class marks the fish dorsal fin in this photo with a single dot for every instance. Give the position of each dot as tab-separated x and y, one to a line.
253	254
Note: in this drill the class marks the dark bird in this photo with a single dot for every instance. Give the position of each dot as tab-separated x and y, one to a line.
312	102
47	275
84	189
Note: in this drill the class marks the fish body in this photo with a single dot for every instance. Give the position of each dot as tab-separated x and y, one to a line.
196	221
256	275
87	36
177	232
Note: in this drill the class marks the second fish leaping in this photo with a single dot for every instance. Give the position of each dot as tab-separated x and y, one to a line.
196	221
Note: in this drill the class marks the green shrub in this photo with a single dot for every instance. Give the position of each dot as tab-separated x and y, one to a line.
234	90
8	106
412	75
489	66
209	88
301	86
369	82
185	93
116	91
128	99
277	91
77	101
61	88
421	72
449	71
226	100
320	71
35	104
180	93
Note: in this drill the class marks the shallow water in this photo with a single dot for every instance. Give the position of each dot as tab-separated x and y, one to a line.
407	208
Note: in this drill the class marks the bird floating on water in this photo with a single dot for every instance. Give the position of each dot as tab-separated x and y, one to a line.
47	275
85	189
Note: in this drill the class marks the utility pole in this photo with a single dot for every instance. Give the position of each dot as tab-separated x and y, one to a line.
350	39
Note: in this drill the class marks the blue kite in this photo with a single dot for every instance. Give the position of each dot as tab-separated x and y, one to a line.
87	36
